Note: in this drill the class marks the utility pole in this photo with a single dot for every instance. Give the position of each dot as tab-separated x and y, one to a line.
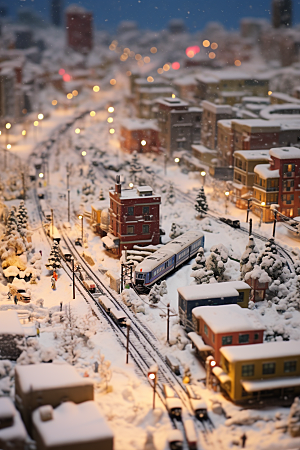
248	208
165	158
250	227
275	220
168	321
73	270
68	205
23	184
128	325
52	222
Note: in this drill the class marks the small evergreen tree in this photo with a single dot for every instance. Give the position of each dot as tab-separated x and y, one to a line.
170	196
22	217
216	265
154	294
200	260
203	276
54	258
176	230
135	169
11	224
249	258
201	205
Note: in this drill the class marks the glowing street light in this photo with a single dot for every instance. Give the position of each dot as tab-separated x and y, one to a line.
96	88
112	130
143	142
130	185
77	130
110	109
36	123
8	146
24	132
41	175
40	116
54	102
92	113
203	175
8	127
80	217
152	376
83	153
110	119
177	160
226	200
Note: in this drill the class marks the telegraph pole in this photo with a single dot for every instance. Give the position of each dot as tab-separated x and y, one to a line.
73	270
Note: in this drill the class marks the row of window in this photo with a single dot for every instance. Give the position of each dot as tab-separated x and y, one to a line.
243	339
161	268
183	254
268	368
196	245
145	229
130	210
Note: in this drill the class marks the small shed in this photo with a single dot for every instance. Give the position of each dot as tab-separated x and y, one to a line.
71	426
12	335
115	280
12	431
49	384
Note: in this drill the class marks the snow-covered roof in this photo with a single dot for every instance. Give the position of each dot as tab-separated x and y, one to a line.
205	291
49	376
10	324
273	383
285	152
252	155
225	123
198	341
216	109
15	432
100	204
284	111
228	318
184	81
7	408
257	100
72	424
139	124
172	102
256	125
264	351
202	149
265	172
287	98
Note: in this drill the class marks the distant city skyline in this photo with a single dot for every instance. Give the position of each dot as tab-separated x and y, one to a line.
148	15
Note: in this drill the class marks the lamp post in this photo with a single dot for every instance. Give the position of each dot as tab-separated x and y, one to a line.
177	160
226	201
275	221
203	174
128	325
7	127
210	363
73	278
80	217
40	117
248	200
152	375
261	212
68	205
165	162
52	222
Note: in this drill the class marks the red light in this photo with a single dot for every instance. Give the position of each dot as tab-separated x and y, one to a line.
141	270
175	65
66	77
61	71
191	51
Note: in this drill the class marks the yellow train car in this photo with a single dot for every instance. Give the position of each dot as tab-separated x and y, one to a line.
255	372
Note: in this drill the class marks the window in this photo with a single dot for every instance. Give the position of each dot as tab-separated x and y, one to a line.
268	368
180	118
226	340
145	229
145	209
130	210
198	119
205	330
130	229
290	366
243	338
256	336
213	338
248	370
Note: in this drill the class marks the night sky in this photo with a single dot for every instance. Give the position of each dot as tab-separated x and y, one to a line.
156	14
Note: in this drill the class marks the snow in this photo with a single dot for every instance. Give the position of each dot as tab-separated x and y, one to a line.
109	243
49	376
10	324
257	125
253	155
216	109
139	124
228	318
274	383
202	292
17	431
73	424
7	408
265	172
198	341
285	153
222	376
172	102
287	111
264	351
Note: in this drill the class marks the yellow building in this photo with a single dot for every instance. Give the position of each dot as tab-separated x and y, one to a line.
258	371
265	191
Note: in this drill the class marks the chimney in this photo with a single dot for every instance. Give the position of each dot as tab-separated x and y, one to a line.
118	185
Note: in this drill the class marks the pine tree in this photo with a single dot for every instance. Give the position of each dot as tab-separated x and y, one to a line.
170	196
154	294
11	224
201	205
135	169
22	217
176	230
200	260
203	276
216	265
54	258
249	258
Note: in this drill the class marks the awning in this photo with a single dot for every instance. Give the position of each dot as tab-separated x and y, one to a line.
198	342
270	383
109	243
221	375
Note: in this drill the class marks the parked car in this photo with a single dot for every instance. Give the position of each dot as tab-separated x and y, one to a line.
173	362
19	295
89	285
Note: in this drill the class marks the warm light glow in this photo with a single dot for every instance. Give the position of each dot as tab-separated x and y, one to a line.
40	116
213	363
8	125
150	79
61	71
203	173
138	56
152	376
132	54
160	70
69	96
166	67
191	51
128	73
177	160
8	146
96	88
77	130
176	65
67	77
112	47
75	93
113	82
123	57
110	119
237	62
83	153
24	132
41	175
214	46
227	193
130	185
140	63
0	133
190	54
110	109
36	123
24	111
263	203
112	130
92	113
212	55
270	92
153	49
143	142
54	102
147	59
80	216
173	95
206	43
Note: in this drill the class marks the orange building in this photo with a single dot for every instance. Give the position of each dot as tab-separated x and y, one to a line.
139	135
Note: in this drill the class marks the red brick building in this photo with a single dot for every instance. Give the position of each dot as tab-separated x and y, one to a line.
139	135
224	325
79	23
134	218
255	134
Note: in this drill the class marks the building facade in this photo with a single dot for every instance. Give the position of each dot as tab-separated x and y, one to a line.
282	13
211	114
79	23
139	135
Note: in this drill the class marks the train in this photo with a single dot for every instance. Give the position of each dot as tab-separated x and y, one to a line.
118	316
171	256
173	403
198	405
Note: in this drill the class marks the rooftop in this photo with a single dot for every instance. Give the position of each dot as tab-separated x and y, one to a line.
285	152
265	172
172	102
139	124
10	324
216	109
252	155
264	351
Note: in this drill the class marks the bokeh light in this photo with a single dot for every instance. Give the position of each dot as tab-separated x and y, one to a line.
150	79
175	65
96	88
237	62
214	46
67	77
212	55
54	102
113	81
153	49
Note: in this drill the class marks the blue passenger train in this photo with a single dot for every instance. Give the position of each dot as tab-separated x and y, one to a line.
169	257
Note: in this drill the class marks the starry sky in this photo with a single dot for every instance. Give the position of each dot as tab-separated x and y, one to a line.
155	14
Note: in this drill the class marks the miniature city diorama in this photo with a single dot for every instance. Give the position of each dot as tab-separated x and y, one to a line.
150	225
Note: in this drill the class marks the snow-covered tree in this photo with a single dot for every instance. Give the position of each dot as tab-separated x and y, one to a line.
12	223
135	169
176	230
216	265
249	257
154	294
201	205
200	260
104	370
203	276
170	195
54	258
294	418
22	218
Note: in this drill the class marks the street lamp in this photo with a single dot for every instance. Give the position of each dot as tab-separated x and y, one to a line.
73	277
262	212
152	376
130	185
7	127
210	364
40	116
110	109
177	160
80	217
203	174
128	325
77	130
143	142
41	175
226	201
